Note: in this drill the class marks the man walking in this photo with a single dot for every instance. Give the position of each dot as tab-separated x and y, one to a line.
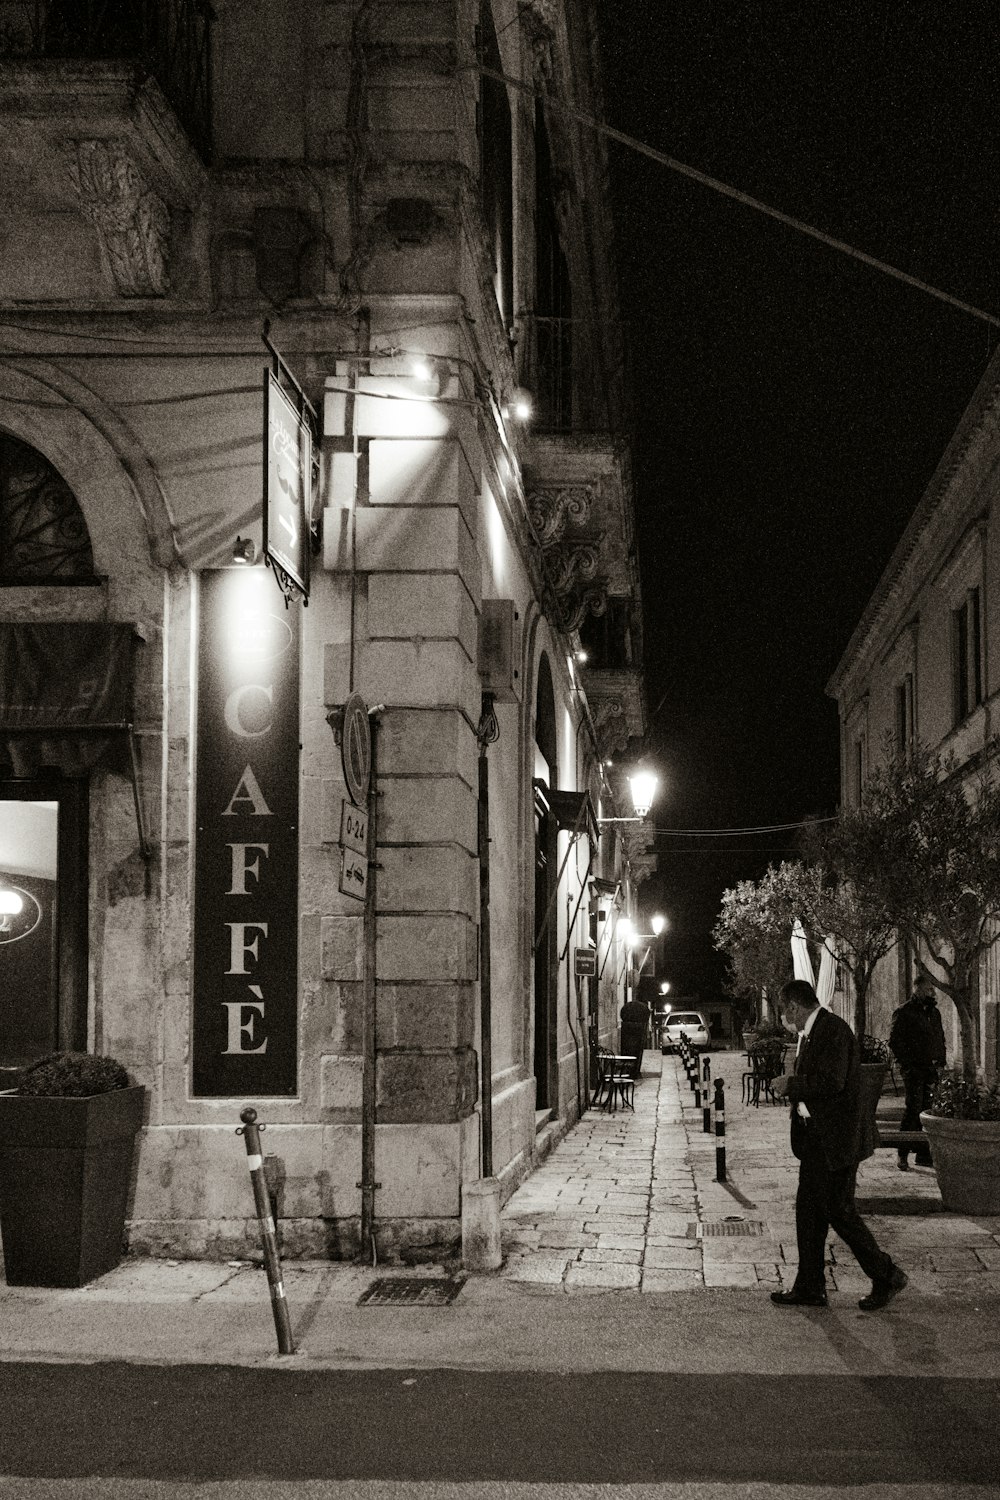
917	1041
825	1095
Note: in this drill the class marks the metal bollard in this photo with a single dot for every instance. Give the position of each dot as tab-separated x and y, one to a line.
706	1107
697	1087
720	1130
250	1131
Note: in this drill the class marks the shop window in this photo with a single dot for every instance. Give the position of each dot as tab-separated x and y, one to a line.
967	656
43	919
43	535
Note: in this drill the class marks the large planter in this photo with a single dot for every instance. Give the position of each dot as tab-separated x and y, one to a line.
65	1170
872	1079
967	1161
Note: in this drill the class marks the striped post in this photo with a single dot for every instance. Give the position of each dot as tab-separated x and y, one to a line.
706	1106
720	1130
250	1131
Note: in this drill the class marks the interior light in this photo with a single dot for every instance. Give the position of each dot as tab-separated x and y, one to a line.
658	923
11	903
245	551
422	369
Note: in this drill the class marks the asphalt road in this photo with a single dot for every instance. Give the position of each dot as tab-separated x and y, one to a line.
214	1423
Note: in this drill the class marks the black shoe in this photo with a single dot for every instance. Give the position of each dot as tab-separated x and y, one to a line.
799	1299
882	1292
903	1164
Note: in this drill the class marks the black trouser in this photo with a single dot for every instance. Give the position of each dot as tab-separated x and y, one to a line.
825	1201
918	1085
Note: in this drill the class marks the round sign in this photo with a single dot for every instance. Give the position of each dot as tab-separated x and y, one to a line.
356	749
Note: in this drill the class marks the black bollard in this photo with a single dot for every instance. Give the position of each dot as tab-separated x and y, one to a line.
706	1106
720	1130
250	1131
697	1086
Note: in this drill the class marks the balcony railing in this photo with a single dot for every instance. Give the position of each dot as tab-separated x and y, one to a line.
171	39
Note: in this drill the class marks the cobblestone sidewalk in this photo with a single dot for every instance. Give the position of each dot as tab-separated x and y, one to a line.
630	1201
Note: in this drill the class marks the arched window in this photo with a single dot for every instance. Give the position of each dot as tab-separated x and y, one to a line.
43	535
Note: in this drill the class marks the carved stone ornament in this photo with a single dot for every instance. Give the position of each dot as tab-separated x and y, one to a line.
610	724
552	510
132	221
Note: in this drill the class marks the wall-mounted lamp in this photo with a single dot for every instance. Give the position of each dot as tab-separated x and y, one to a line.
520	407
658	923
643	788
431	372
245	551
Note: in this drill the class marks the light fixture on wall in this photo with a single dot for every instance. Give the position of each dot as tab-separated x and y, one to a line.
642	785
245	551
520	406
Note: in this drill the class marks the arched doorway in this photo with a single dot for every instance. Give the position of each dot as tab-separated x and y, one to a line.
545	925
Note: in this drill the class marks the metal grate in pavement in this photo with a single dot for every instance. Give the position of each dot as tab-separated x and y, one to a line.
412	1291
724	1228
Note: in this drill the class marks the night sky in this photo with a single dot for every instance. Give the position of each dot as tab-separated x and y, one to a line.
790	403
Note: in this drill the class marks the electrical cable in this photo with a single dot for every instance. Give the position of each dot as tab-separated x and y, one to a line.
727	832
582	116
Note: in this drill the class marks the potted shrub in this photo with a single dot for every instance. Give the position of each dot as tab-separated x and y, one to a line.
874	1066
963	1127
67	1139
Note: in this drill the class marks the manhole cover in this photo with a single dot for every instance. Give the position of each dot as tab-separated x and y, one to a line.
412	1291
719	1228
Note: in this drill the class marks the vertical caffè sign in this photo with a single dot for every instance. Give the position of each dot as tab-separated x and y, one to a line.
246	850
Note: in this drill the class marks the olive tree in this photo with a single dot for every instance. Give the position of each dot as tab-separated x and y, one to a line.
835	897
927	836
754	932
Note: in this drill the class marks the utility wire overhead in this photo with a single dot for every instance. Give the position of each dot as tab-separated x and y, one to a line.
736	194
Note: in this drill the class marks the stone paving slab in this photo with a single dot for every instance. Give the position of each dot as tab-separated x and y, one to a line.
619	1198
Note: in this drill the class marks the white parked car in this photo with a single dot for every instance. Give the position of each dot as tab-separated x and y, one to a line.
690	1021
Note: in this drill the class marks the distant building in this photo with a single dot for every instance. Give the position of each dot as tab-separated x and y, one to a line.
397	191
924	662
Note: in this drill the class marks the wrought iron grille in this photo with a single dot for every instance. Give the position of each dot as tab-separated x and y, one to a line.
171	39
43	535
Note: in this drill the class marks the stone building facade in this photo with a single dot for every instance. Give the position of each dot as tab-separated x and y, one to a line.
922	664
389	189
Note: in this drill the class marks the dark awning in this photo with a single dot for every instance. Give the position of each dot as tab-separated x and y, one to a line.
65	696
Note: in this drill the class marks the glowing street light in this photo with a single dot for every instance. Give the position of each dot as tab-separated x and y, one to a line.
643	787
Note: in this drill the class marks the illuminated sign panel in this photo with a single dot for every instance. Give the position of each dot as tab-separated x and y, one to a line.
245	978
287	485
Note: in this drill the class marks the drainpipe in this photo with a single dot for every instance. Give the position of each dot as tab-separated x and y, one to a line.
368	1184
487	732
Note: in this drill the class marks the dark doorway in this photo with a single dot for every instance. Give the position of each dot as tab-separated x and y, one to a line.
43	918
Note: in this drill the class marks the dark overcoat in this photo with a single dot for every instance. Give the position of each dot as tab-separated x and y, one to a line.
828	1082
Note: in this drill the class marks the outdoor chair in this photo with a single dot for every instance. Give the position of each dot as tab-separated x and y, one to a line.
766	1064
615	1082
604	1070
